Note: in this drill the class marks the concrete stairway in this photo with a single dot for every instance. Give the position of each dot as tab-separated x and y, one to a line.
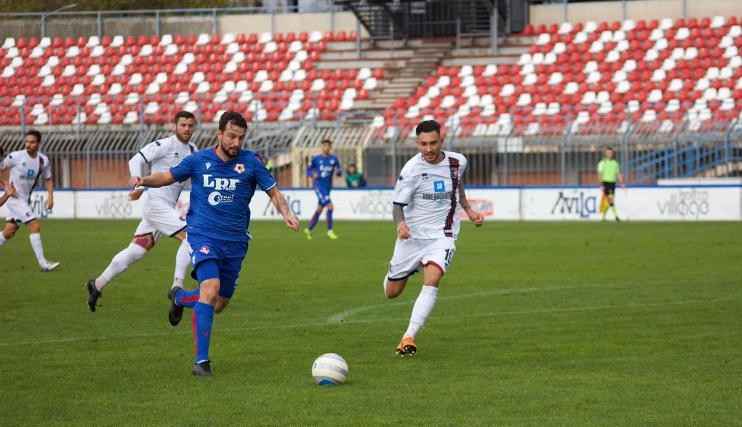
407	64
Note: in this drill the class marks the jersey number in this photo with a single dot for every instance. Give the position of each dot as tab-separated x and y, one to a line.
449	256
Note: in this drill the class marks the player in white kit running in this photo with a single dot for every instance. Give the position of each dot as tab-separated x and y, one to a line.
426	198
159	214
28	168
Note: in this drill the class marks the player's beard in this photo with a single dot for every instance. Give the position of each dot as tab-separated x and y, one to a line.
184	138
232	153
432	157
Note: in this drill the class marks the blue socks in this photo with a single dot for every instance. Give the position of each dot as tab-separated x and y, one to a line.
313	222
186	298
203	317
329	219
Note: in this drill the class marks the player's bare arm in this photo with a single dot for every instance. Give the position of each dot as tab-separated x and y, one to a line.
135	171
403	230
279	202
9	192
473	215
49	194
158	179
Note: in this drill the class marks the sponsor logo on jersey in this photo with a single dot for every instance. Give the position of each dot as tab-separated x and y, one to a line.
216	198
439	186
446	195
226	184
204	250
208	165
239	168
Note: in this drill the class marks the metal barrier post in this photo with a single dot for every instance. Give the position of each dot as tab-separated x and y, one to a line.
214	22
623	9
458	33
358	38
22	110
685	8
564	11
99	24
494	20
157	23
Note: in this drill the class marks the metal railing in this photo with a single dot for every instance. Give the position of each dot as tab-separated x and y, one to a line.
568	154
95	156
565	17
151	21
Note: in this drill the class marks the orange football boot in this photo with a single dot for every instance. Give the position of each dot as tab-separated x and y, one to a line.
407	347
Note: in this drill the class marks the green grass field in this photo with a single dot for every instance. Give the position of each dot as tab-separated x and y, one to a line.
536	324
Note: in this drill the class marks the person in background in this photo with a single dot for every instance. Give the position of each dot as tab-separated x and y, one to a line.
609	173
354	178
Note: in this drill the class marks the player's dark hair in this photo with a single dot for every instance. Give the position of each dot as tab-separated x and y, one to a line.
184	115
609	148
428	126
232	117
326	141
33	132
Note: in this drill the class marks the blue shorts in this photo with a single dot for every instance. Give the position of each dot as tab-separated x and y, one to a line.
228	257
323	197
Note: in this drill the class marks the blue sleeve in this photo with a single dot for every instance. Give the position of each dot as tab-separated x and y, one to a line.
184	169
263	178
338	168
311	168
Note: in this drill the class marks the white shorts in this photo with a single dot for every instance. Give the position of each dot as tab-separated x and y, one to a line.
160	220
411	254
19	211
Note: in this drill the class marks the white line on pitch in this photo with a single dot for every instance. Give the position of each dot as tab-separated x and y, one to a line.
444	319
343	315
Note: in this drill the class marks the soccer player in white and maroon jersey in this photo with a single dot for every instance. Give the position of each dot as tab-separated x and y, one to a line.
159	214
28	168
427	195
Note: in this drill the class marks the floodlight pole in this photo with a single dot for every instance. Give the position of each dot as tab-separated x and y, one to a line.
46	14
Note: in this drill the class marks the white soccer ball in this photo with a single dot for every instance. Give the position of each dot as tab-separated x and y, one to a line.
329	369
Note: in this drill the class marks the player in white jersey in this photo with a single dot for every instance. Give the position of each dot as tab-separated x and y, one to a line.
159	214
28	168
427	195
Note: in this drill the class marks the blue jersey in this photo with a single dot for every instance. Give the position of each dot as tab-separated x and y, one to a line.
221	192
322	169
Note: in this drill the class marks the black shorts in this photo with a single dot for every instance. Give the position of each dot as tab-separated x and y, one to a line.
609	188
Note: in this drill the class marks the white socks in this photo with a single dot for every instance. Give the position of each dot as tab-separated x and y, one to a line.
119	263
2	239
182	260
421	310
38	249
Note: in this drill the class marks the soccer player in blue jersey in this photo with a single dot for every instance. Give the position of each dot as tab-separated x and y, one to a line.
223	180
321	170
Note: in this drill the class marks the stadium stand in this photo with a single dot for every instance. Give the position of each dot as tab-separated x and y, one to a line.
269	76
658	73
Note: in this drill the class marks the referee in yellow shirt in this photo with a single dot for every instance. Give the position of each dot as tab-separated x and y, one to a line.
609	172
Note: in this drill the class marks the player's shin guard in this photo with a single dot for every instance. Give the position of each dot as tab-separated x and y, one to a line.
38	249
203	317
314	220
186	298
421	310
329	219
119	263
182	260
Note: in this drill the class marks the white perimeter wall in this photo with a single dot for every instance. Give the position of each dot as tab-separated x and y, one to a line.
667	203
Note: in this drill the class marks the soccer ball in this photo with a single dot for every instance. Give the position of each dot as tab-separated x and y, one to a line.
329	369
